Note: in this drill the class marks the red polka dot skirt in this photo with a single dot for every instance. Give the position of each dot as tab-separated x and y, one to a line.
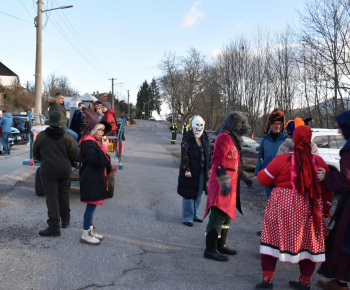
288	230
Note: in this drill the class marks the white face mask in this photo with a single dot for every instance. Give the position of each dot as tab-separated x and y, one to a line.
197	126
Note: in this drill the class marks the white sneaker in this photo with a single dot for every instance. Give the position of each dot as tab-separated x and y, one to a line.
95	235
87	238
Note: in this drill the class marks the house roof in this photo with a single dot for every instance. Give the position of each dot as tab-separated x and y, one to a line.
99	96
5	71
88	97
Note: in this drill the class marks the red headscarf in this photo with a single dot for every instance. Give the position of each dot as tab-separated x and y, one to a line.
305	179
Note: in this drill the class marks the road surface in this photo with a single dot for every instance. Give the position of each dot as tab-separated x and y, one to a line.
146	246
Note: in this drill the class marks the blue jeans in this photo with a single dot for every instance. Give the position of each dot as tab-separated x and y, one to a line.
5	142
27	135
75	135
190	206
88	215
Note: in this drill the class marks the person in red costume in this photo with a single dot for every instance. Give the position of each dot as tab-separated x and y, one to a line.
294	227
224	184
109	116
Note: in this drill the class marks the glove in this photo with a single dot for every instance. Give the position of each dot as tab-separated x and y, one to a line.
225	189
249	183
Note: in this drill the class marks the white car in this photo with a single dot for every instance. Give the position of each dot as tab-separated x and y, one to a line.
14	137
329	143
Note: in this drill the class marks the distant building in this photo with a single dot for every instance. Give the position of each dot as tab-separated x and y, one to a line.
7	76
87	99
103	97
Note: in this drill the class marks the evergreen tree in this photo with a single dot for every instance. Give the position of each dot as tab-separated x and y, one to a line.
143	96
155	98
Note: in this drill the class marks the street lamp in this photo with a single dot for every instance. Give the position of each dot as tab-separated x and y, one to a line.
38	23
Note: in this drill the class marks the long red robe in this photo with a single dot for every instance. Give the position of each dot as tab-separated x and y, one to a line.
225	155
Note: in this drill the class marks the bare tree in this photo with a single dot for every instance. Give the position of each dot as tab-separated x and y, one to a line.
325	30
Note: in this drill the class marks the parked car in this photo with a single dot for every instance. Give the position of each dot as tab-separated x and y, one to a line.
15	137
18	122
329	143
250	150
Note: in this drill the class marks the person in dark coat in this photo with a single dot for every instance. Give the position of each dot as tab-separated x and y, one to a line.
27	130
184	129
337	265
93	171
56	150
173	129
194	170
57	104
77	120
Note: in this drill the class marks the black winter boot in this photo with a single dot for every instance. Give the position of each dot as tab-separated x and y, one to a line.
222	248
211	241
50	232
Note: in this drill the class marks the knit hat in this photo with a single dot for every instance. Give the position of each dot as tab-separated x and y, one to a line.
107	105
276	115
97	126
55	120
91	120
293	124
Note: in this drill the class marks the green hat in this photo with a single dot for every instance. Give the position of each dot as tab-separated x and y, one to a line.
55	120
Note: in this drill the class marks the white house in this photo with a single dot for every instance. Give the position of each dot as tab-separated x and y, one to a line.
7	76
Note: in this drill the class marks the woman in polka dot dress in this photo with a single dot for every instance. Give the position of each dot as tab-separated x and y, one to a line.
294	227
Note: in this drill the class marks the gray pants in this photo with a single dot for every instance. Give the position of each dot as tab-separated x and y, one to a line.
57	200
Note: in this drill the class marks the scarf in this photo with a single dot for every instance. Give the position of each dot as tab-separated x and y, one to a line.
304	176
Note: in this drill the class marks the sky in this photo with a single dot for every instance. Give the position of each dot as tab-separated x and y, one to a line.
98	40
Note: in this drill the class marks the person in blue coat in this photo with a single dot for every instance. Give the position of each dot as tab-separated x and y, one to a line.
274	136
6	123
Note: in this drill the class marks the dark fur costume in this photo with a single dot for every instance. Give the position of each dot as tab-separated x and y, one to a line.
235	125
224	184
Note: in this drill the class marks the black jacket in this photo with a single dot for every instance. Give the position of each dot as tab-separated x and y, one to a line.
191	160
54	106
92	178
77	122
27	127
56	150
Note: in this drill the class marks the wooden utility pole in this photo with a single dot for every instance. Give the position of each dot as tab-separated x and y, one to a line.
38	21
128	113
112	92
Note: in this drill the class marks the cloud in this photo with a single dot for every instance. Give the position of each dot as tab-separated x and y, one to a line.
191	17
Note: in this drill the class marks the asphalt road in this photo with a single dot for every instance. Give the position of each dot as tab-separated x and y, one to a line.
146	246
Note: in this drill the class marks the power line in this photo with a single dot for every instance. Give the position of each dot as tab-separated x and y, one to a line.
34	6
26	9
15	17
48	14
73	31
59	28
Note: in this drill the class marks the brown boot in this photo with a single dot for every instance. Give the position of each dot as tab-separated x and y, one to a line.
331	285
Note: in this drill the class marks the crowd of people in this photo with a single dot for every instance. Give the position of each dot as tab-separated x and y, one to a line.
298	186
83	145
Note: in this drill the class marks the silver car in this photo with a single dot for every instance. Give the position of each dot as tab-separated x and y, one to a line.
329	143
15	136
